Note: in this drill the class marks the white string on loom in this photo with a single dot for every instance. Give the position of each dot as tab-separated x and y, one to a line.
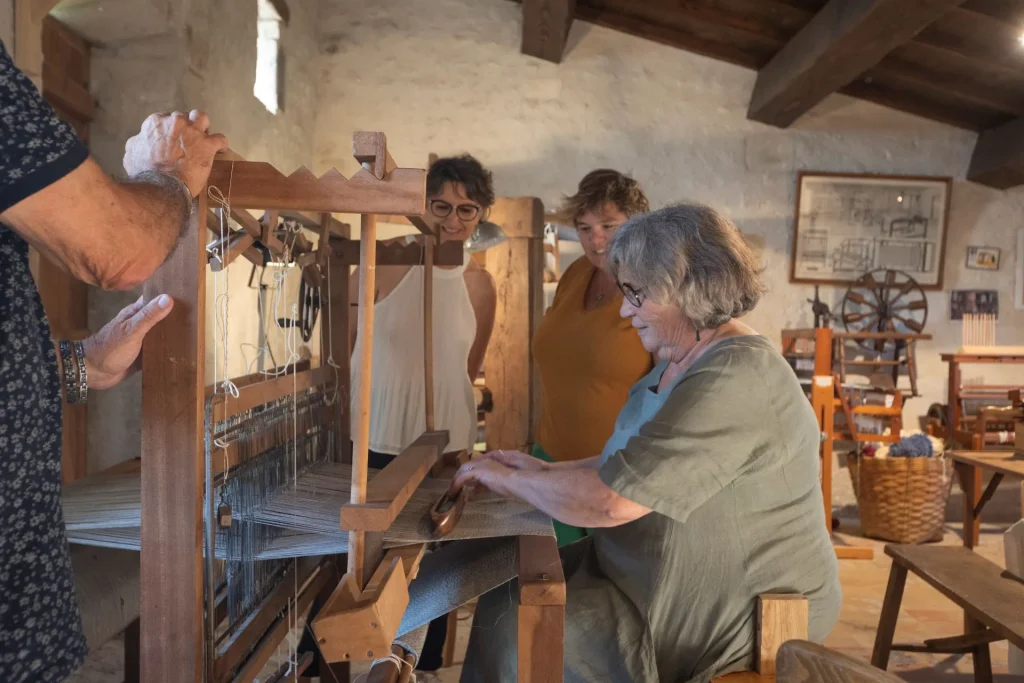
394	659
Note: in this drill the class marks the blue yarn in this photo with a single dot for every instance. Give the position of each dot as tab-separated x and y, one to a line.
916	446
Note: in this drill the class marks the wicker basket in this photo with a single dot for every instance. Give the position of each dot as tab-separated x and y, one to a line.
902	499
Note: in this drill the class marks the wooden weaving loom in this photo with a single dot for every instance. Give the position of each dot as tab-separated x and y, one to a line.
191	628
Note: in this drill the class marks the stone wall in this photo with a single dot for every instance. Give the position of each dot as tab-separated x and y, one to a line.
448	76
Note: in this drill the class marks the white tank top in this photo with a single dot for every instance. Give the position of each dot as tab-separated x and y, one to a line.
397	410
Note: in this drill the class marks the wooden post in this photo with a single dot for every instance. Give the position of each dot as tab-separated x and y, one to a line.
334	343
173	377
823	401
428	329
361	437
541	620
517	268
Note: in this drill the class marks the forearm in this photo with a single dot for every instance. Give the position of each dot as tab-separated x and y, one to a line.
574	496
150	213
105	233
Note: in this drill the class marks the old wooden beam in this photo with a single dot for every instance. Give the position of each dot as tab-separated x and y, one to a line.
841	42
998	158
546	26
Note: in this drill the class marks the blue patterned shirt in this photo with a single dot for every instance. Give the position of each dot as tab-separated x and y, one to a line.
40	628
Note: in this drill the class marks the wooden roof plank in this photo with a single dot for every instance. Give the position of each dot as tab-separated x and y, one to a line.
998	158
546	25
842	41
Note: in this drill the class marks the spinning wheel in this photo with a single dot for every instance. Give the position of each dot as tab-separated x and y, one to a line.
884	300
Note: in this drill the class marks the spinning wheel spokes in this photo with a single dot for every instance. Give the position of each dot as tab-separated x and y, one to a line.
884	300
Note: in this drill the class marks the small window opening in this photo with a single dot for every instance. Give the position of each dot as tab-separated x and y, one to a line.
271	16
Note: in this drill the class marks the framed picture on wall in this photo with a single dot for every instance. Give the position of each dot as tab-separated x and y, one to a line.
849	224
983	258
973	301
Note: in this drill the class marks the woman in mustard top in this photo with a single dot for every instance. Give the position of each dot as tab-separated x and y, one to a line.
587	355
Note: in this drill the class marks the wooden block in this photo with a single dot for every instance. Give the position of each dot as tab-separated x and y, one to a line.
541	638
845	552
779	618
1018	436
390	490
359	626
541	580
372	148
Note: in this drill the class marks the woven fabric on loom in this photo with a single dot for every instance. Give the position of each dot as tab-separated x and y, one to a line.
456	574
307	514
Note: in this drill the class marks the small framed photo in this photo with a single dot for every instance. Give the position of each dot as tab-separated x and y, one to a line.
983	258
973	301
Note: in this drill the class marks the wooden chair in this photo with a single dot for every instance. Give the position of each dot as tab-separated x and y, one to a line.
779	618
802	662
893	413
992	599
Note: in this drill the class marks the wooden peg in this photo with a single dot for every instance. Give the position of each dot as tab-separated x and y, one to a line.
371	150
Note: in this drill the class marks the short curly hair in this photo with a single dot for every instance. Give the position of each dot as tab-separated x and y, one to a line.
463	169
693	257
602	186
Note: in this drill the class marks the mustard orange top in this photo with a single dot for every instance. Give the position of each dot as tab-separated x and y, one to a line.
587	361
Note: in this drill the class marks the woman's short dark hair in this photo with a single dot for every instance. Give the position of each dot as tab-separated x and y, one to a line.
466	170
602	186
693	257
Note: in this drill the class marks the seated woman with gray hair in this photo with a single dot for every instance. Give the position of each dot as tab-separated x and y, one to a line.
705	496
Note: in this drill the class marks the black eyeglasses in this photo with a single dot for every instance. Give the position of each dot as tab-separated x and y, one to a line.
633	295
464	212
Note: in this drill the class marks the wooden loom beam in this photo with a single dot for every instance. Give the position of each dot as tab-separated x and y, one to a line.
173	374
389	491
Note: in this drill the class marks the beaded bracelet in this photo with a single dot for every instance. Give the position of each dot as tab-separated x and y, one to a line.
70	382
83	379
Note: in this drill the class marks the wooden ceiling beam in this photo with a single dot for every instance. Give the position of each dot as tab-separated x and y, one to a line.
842	41
998	159
546	25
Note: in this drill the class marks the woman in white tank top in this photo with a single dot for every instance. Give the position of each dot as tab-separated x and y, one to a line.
459	195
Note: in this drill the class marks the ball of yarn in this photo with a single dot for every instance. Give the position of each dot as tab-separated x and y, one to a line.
915	446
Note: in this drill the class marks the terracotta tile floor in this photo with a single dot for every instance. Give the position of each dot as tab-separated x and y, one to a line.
925	614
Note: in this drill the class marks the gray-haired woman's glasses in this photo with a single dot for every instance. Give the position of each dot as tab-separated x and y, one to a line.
633	296
464	212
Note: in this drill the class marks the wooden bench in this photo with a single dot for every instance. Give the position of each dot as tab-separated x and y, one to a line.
990	597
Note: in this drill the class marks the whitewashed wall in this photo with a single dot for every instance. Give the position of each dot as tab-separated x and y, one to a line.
202	57
447	76
7	25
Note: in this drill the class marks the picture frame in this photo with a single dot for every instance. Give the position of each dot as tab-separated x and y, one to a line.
847	224
973	301
983	258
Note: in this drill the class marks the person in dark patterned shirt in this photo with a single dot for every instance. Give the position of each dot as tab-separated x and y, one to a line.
109	234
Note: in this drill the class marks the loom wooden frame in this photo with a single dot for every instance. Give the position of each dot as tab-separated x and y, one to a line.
174	642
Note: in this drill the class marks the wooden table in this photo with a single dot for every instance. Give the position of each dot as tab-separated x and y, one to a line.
969	466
